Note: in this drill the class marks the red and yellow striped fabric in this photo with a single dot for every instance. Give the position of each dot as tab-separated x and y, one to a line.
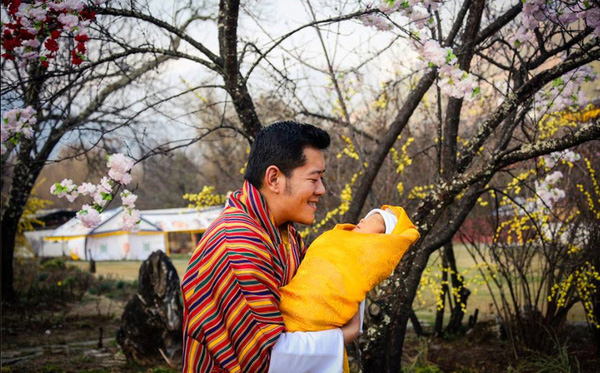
230	288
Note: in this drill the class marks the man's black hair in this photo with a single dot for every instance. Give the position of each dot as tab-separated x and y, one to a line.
282	144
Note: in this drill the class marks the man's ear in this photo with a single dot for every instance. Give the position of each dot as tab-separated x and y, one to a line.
274	179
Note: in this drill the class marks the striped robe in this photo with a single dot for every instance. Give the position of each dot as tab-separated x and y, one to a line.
230	288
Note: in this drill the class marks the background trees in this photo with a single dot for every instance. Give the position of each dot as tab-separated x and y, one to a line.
429	103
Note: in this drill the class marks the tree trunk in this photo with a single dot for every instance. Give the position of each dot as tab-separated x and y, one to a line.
460	299
439	315
234	81
383	341
25	173
9	231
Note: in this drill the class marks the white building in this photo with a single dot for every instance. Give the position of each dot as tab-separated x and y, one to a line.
159	230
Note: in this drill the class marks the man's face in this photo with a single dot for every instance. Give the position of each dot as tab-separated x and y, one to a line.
303	189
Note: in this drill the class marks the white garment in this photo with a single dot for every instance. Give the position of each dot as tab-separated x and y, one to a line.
310	352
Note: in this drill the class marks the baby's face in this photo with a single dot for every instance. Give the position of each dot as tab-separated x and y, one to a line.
372	224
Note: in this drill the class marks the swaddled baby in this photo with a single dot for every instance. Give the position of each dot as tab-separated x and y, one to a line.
341	266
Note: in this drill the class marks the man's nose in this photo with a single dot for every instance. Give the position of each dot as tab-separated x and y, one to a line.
320	190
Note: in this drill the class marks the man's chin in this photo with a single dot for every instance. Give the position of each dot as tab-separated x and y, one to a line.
307	221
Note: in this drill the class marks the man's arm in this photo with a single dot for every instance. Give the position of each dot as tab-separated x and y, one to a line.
308	352
232	318
321	351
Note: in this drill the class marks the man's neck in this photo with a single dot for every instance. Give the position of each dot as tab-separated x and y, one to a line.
273	204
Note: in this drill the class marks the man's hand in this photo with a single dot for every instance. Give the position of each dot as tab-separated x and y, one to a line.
351	329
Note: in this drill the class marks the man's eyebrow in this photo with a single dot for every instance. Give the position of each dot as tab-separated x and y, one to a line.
317	172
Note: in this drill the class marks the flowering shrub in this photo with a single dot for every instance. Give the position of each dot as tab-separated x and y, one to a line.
206	198
35	27
119	173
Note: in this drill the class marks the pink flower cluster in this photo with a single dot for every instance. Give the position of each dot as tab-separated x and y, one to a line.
536	13
414	10
566	156
547	190
120	166
34	28
65	188
119	172
457	83
377	21
131	218
565	92
89	216
452	81
16	123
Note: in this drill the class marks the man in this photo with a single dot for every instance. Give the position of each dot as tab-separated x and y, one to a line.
231	295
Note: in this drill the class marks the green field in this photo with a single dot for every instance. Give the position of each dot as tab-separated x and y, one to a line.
425	307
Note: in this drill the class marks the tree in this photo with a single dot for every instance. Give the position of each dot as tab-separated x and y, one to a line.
72	101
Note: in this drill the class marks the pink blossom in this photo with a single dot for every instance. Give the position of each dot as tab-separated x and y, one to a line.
26	132
434	4
72	196
23	10
420	19
120	163
128	199
30	56
89	217
73	5
69	21
99	199
86	189
32	43
131	219
105	185
64	189
32	30
434	53
375	21
59	7
38	14
593	19
567	155
18	121
26	22
120	177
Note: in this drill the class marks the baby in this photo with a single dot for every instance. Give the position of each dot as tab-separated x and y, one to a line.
377	221
341	266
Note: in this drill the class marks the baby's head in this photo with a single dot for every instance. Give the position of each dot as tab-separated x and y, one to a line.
377	221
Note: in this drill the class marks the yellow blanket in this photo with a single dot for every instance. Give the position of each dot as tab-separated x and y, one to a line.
339	268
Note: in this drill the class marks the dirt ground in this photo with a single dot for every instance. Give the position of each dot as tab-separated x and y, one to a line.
66	340
64	337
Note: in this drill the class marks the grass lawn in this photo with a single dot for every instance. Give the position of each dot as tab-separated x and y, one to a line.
480	297
128	270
